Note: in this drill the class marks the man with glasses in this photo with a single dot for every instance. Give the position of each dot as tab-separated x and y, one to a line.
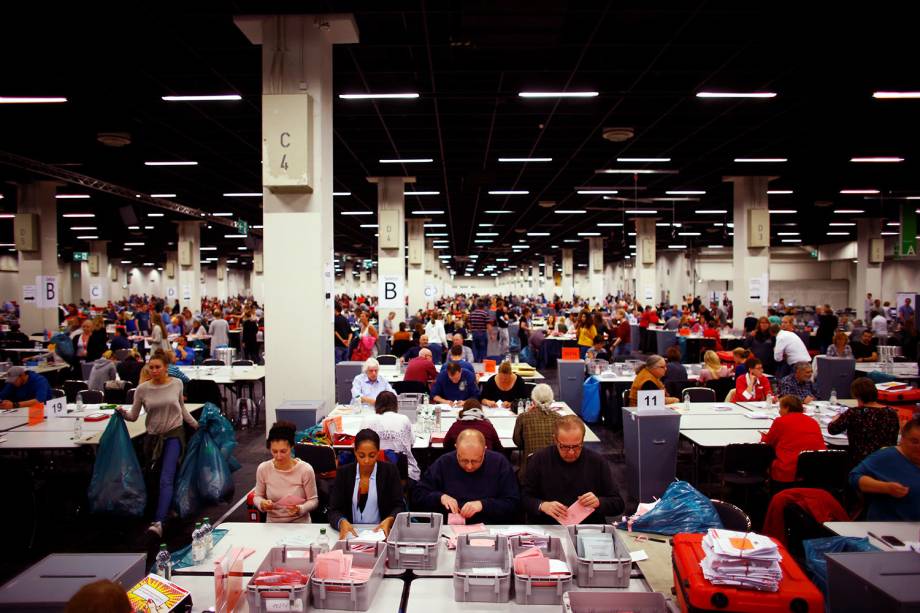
565	472
472	481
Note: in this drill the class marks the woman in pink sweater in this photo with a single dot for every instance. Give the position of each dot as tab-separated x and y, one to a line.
285	485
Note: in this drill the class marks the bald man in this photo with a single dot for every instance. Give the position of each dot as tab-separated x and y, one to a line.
422	368
476	483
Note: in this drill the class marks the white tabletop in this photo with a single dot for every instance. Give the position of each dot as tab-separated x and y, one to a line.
393	375
904	530
709	408
224	374
901	370
722	438
386	600
627	375
723	422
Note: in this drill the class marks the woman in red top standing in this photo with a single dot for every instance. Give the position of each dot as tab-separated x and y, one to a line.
752	386
791	433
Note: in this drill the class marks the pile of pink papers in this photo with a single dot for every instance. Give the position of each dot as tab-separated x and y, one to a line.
460	530
455	519
533	563
576	514
337	566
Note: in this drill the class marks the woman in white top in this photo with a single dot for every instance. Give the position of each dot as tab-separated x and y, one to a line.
437	337
395	430
158	337
285	486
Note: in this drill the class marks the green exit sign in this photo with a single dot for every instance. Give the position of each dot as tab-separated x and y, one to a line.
242	227
81	256
814	253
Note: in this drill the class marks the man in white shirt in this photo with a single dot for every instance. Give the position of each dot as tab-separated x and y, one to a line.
879	325
867	307
789	349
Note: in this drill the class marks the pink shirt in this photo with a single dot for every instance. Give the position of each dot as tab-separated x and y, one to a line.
273	484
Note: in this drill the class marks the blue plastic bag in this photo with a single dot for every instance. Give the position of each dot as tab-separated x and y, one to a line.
816	563
527	356
221	430
205	475
682	508
117	485
591	400
63	345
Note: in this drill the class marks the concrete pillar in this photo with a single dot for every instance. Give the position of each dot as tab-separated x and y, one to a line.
868	273
646	277
549	281
37	198
257	280
188	272
297	218
418	256
535	285
94	275
568	274
169	278
223	279
391	240
596	273
349	284
751	245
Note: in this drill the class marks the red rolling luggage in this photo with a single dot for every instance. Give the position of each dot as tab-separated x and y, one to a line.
907	395
797	594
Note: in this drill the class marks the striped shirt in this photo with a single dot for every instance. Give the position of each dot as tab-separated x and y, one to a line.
479	320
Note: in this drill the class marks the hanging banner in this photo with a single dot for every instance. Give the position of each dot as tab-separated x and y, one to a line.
908	242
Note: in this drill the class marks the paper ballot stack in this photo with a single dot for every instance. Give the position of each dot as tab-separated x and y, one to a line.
743	559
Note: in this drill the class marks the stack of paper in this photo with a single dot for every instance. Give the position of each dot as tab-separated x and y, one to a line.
533	563
370	536
744	559
337	566
595	546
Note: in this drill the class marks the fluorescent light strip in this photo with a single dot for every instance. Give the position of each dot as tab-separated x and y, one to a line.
406	160
405	96
779	192
715	247
88	238
369	225
893	223
686	192
30	100
259	227
895	95
243	195
203	98
711	212
341	193
858	192
848	211
787	233
878	159
483	241
154	214
597	192
78	215
78	228
842	223
688	234
677	246
633	171
436	234
838	233
538	234
791	240
427	212
499	212
508	192
736	95
890	233
487	234
72	196
558	94
525	160
761	160
570	211
422	193
435	225
675	199
356	212
615	224
589	234
207	249
177	163
782	212
640	212
643	160
134	244
234	236
162	195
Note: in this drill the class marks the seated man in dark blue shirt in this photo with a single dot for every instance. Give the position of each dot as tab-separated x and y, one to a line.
456	355
476	483
23	388
454	385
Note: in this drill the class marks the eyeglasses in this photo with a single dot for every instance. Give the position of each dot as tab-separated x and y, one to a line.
569	448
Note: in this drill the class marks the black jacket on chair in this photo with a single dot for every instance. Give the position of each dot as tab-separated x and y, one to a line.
390	498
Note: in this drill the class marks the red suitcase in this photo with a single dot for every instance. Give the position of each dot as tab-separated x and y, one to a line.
908	395
797	594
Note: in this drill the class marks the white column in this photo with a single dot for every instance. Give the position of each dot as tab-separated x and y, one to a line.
418	255
596	268
646	277
568	274
349	284
223	279
257	280
868	273
297	238
391	240
37	198
188	272
751	245
94	279
549	281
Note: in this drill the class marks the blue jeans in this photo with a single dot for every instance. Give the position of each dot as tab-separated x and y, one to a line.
582	351
341	354
622	349
170	465
480	345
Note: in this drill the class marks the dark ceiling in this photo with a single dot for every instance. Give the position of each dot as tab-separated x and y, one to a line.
468	61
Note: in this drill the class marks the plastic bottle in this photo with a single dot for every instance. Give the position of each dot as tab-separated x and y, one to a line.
198	552
79	402
687	400
833	398
208	533
164	563
77	428
322	541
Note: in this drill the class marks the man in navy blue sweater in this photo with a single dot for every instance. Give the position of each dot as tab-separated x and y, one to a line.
476	483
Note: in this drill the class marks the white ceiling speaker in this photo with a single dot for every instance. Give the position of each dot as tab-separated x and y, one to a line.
114	139
547	204
617	135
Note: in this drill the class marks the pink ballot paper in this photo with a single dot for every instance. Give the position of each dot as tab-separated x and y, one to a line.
455	519
576	514
290	501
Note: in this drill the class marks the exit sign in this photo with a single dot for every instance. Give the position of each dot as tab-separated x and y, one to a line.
242	227
81	256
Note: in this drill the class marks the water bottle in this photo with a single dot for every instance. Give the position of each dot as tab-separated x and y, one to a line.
520	407
198	553
687	400
79	402
208	533
164	563
77	428
424	399
833	397
322	542
437	419
769	403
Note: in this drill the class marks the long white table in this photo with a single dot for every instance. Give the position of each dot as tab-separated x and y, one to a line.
224	374
393	375
904	530
906	371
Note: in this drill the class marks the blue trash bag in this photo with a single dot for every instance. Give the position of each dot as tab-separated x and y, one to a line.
816	563
682	508
221	430
117	486
204	477
63	345
878	376
591	400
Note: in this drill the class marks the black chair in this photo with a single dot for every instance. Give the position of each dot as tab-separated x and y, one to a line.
828	470
117	395
401	346
71	387
323	461
57	392
402	465
699	394
410	387
92	396
242	363
204	390
129	395
676	388
733	518
721	387
213	362
746	470
387	359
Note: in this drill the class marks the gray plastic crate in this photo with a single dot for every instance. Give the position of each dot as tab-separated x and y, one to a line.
414	541
541	590
472	585
289	558
347	595
601	573
614	602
